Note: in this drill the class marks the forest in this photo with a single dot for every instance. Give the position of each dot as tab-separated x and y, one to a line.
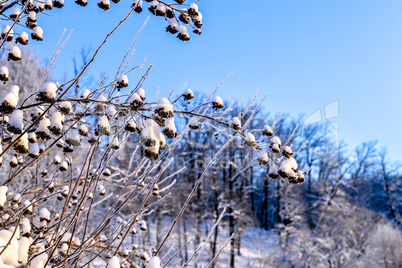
101	173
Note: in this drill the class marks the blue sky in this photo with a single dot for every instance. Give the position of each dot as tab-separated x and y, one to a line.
303	54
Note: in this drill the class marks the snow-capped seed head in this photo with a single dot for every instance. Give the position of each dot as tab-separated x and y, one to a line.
137	4
16	13
48	4
33	150
3	195
106	172
37	33
193	9
131	126
172	26
267	131
73	138
217	103
103	127
144	256
27	206
141	93
63	166
183	33
273	171
4	73
32	137
300	177
101	189
263	158
250	140
65	190
152	7
47	93
194	125
188	95
197	19
160	10
82	3
104	4
22	38
7	33
235	124
114	262
25	227
164	108
115	143
58	3
50	187
286	167
83	129
17	198
85	94
275	140
287	151
152	152
122	81
111	111
10	100
14	54
184	16
16	122
170	130
135	101
65	107
56	124
44	215
43	132
143	225
154	262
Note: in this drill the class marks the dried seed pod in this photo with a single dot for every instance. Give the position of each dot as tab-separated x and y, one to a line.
82	3
217	103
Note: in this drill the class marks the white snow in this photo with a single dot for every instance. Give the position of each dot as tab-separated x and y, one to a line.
154	262
183	30
32	15
141	93
50	90
5	31
9	255
56	120
169	124
194	7
34	149
44	214
43	125
37	31
114	262
263	157
218	101
17	120
173	23
23	36
40	260
24	244
250	138
135	97
85	93
16	11
236	122
16	52
3	195
275	140
25	225
164	104
4	71
122	80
